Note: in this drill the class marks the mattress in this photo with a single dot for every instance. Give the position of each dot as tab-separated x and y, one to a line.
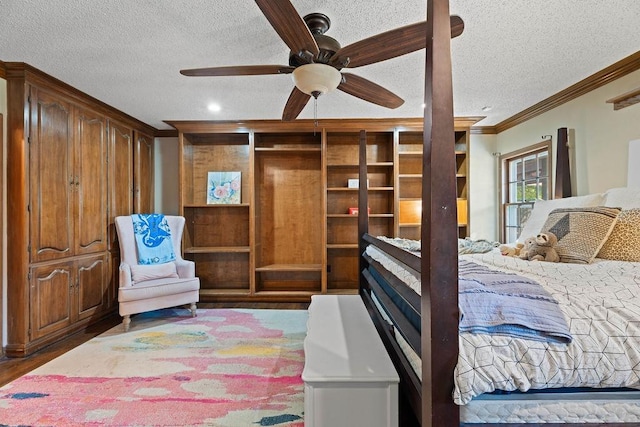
557	407
601	303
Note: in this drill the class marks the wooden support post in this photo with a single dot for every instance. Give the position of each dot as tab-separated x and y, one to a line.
363	203
563	170
439	227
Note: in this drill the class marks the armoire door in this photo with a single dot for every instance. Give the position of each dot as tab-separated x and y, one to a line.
52	178
143	174
91	283
90	183
120	176
52	288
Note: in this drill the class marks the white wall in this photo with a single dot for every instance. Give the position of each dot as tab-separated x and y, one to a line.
483	188
598	140
166	176
599	136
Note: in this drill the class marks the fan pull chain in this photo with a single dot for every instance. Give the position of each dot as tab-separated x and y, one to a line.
315	114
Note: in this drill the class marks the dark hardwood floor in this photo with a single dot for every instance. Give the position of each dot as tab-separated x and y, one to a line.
12	368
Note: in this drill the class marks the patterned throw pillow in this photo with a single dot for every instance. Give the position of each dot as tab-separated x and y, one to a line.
624	242
581	232
542	209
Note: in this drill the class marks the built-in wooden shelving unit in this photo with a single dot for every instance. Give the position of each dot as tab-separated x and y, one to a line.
294	233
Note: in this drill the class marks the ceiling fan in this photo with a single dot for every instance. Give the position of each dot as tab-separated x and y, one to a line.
316	60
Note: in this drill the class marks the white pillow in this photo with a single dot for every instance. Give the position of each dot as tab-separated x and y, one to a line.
542	209
622	197
142	273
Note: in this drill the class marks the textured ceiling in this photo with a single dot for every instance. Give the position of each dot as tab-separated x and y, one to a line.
128	53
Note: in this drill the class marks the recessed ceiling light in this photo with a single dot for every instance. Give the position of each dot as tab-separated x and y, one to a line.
424	105
214	108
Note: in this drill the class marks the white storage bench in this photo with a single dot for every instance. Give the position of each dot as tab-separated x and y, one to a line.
349	379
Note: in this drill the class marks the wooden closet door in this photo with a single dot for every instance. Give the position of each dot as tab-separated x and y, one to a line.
143	174
51	298
91	284
120	176
52	179
91	183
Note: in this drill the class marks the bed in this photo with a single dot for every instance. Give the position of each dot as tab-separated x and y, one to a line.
443	377
498	378
604	351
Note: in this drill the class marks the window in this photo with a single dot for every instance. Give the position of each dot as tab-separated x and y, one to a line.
525	179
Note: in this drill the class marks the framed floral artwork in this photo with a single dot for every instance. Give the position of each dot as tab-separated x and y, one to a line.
223	188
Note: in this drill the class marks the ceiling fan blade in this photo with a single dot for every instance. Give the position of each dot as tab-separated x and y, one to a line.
240	70
369	91
291	28
390	44
296	102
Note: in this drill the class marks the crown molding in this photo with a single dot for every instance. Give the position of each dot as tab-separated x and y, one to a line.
3	70
620	69
484	130
166	133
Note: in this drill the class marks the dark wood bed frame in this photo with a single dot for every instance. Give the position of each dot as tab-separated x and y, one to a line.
430	397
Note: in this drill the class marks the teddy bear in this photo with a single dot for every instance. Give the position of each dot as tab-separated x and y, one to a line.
519	250
526	246
514	251
543	248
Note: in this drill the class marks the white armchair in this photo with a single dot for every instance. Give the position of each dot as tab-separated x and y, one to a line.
151	287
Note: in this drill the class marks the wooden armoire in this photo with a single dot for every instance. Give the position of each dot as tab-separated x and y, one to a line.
73	164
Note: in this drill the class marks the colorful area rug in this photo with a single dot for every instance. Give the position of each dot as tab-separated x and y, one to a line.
225	367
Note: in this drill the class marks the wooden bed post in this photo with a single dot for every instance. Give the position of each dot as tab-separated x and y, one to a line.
439	227
563	170
363	204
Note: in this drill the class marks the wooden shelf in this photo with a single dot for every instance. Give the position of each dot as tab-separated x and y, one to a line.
343	291
290	267
218	206
409	177
342	165
285	294
625	100
217	249
343	246
356	190
223	291
351	165
288	149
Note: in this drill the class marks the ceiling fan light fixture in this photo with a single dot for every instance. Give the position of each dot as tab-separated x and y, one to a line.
316	79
